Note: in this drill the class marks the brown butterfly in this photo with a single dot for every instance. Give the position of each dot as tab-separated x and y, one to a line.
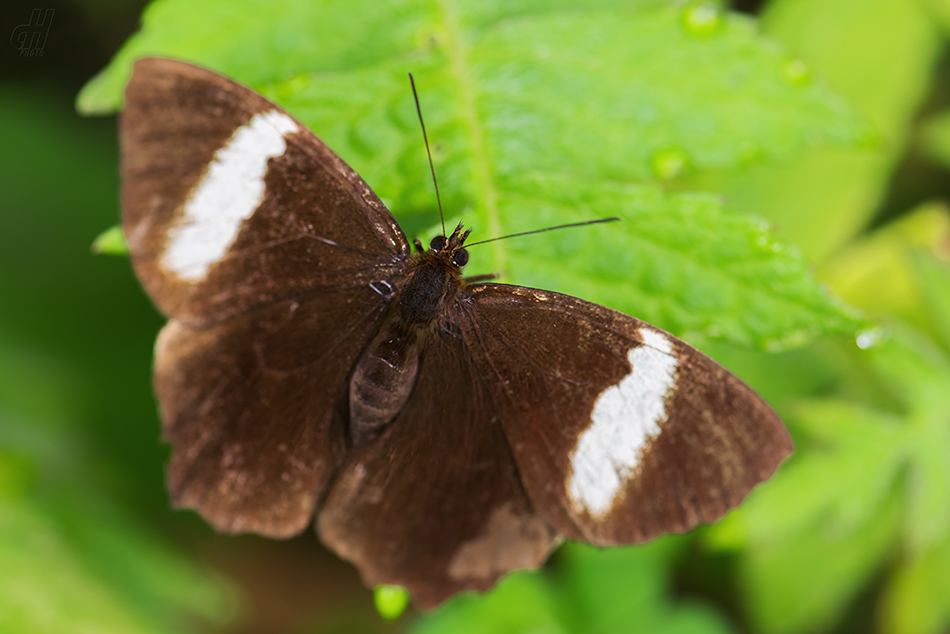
441	432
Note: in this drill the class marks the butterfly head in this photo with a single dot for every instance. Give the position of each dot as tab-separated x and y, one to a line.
451	250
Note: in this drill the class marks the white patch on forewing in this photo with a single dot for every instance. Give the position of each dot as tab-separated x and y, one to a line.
625	417
227	195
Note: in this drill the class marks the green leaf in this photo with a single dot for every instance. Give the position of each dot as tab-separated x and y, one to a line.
804	584
934	275
542	115
611	587
610	591
918	598
928	486
521	602
826	196
597	86
864	483
884	84
848	445
914	370
935	135
659	264
71	560
899	270
918	373
939	10
109	574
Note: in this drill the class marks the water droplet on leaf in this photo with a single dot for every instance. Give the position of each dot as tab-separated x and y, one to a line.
869	338
797	72
703	18
669	163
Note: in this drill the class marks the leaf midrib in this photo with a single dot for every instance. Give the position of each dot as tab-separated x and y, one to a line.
457	51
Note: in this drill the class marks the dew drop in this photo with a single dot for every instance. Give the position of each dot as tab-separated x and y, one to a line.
774	345
869	338
797	72
703	18
669	163
792	339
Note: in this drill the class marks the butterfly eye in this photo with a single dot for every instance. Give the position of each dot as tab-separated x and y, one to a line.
460	258
438	243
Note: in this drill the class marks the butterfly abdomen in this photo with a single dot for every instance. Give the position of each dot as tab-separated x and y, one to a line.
382	381
385	374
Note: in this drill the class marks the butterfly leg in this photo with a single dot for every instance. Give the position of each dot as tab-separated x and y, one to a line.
418	245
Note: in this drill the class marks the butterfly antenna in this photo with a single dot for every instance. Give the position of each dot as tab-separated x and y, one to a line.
426	139
528	233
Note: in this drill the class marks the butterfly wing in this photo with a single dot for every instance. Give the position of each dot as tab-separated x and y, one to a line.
620	431
230	204
273	259
252	408
537	414
435	503
533	413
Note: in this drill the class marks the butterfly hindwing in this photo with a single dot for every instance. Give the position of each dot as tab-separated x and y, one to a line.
620	431
229	203
251	408
435	503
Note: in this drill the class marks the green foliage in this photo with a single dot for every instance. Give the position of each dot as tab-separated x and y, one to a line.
543	115
827	195
71	560
936	137
870	481
686	120
609	591
867	484
77	552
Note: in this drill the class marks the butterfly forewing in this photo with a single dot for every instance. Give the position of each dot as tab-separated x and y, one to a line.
272	257
229	203
620	431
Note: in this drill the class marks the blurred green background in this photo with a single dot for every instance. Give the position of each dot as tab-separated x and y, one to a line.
853	533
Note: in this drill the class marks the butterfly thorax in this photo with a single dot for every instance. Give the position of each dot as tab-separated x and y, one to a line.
385	375
425	294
